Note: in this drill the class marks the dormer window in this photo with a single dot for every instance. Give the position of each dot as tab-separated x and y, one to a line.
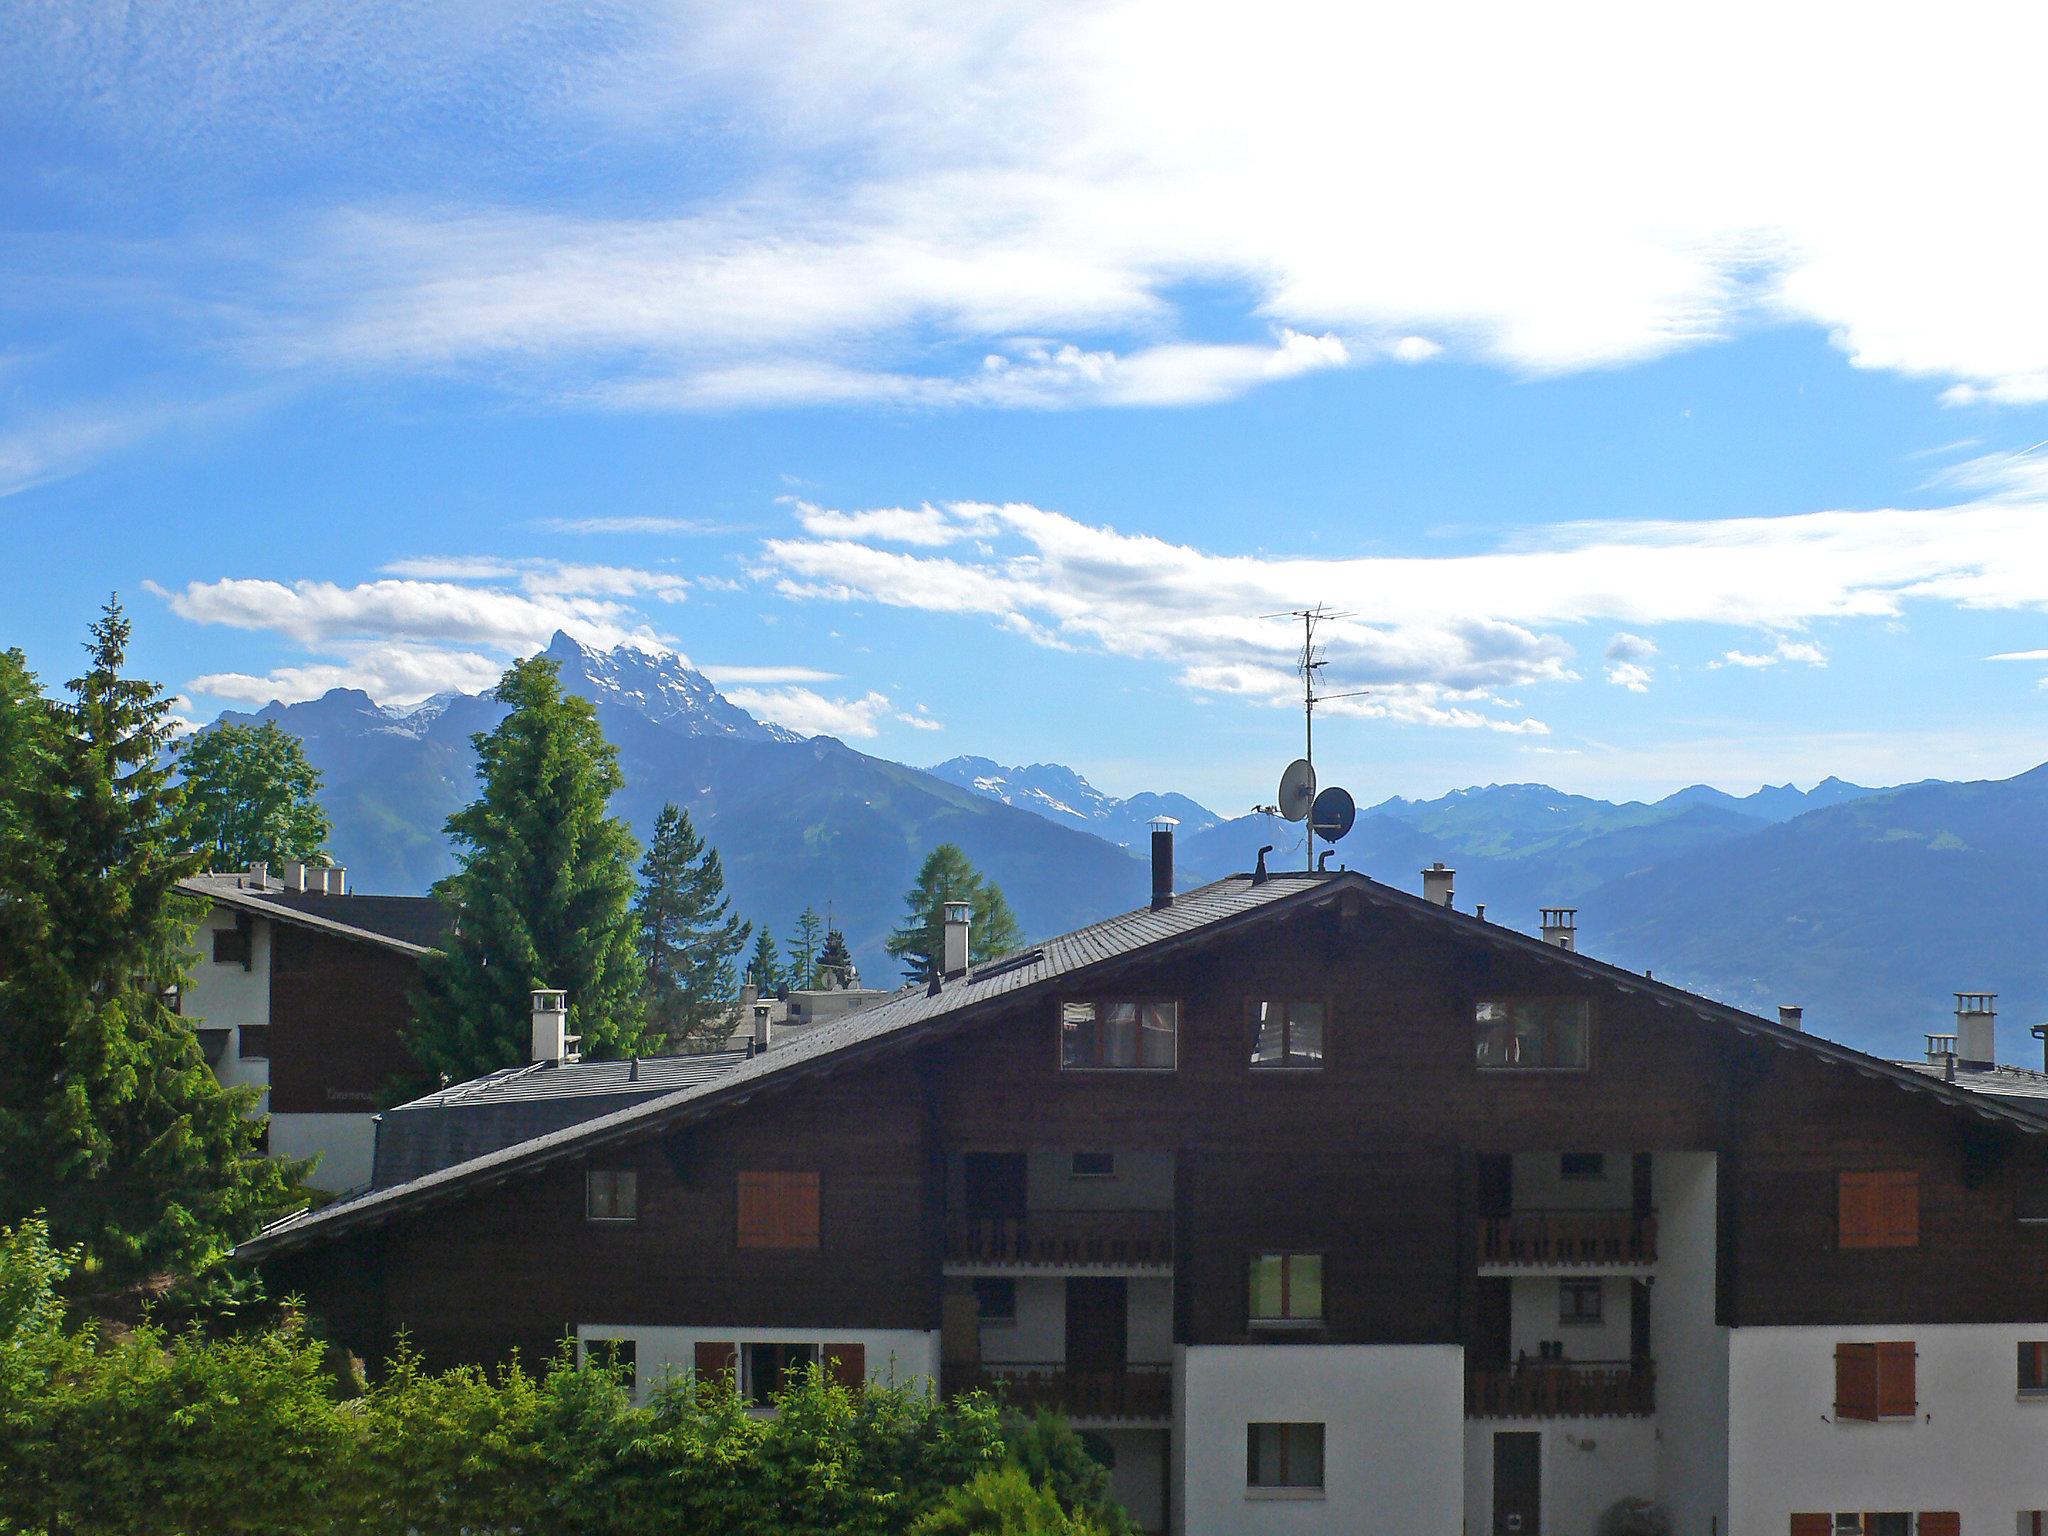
1534	1034
1119	1034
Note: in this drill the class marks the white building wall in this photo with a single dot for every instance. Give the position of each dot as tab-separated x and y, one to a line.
1040	1331
1138	1476
1588	1465
1534	1302
1393	1441
346	1146
895	1356
1975	1446
1690	1351
1143	1181
228	997
1539	1185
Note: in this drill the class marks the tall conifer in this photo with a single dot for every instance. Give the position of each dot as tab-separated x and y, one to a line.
688	935
946	875
544	894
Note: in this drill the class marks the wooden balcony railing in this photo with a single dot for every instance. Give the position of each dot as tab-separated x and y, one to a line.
1134	1392
1064	1238
1568	1237
1561	1389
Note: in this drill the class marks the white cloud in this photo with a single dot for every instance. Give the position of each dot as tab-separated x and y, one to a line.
724	675
1626	655
925	525
812	714
1785	650
603	525
390	674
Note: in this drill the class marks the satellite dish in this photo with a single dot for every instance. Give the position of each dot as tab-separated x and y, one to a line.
1333	814
1297	789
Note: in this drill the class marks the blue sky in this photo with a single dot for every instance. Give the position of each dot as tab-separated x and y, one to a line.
1664	403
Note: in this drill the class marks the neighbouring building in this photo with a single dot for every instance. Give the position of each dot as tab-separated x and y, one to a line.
1328	1207
789	1012
302	989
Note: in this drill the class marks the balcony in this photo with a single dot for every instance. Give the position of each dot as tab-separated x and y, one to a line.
1134	1394
1561	1389
1109	1240
1562	1239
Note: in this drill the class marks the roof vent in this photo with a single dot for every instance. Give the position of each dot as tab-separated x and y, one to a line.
1259	875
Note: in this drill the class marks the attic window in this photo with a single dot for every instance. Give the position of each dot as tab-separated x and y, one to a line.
1119	1034
1534	1034
231	946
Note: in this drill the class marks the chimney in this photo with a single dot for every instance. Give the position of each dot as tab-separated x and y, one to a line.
1436	884
959	918
295	874
764	1032
749	994
551	1037
1561	927
1976	1030
1162	862
1941	1052
337	880
1791	1016
259	875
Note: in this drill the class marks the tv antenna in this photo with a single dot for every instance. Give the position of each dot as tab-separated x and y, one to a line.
1313	661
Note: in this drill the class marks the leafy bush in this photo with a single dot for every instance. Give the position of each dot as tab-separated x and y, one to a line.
1003	1502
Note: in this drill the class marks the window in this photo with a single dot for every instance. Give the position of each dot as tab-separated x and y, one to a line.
2034	1367
611	1194
995	1302
767	1368
778	1210
231	946
1288	1034
1578	1302
1287	1288
1092	1165
1534	1033
1582	1167
252	1042
2030	1195
619	1356
1879	1209
1120	1034
1875	1381
1285	1456
1891	1523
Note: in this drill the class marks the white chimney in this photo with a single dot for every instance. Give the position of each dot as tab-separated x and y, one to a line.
959	920
259	875
1561	927
551	1037
749	994
1792	1016
1976	1030
336	878
295	874
763	1030
1436	884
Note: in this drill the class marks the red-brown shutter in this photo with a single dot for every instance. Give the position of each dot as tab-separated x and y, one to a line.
716	1360
1856	1217
1900	1213
1940	1523
847	1364
1813	1525
778	1210
1896	1388
1856	1381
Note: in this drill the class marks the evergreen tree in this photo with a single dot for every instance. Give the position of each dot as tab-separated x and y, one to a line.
252	793
110	1119
947	875
544	893
803	949
835	961
688	935
764	966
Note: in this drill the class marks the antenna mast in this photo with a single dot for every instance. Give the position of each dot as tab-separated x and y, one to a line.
1311	663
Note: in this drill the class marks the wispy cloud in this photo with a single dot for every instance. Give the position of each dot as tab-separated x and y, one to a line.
812	714
758	675
653	525
1627	658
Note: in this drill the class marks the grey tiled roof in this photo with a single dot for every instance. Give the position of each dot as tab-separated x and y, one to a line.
410	924
2022	1088
1220	905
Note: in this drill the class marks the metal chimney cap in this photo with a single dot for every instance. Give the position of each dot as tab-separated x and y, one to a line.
1164	823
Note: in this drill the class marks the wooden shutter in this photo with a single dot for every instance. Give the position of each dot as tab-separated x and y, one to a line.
778	1210
716	1360
1879	1209
1899	1209
1896	1387
1813	1525
1940	1523
847	1364
1856	1381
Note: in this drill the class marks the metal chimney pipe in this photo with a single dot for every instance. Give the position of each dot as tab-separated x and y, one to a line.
959	920
1162	861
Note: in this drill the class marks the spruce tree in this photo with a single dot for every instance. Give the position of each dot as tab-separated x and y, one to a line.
543	896
110	1119
948	875
252	793
764	965
835	961
688	935
803	949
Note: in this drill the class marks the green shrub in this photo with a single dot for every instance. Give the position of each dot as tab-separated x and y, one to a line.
1003	1502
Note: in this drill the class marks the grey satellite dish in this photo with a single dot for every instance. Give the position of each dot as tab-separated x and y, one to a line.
1333	814
1297	789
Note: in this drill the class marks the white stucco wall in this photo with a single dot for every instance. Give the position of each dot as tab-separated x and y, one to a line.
1588	1464
1975	1446
1138	1477
1143	1181
1393	1441
1533	1311
1690	1351
345	1144
895	1356
228	997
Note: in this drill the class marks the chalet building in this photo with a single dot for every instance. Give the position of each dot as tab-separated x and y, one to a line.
1328	1207
302	990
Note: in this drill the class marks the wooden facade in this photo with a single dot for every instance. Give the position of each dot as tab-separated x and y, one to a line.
338	1011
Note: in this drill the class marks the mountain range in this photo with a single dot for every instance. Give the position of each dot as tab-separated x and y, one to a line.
1868	906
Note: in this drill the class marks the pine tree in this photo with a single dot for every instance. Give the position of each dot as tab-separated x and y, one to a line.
688	935
110	1120
252	793
803	949
764	965
835	961
543	895
947	875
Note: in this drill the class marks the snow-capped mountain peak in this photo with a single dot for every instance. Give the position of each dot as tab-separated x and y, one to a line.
1058	793
658	685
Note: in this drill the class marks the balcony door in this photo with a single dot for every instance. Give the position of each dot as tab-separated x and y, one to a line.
1518	1484
1098	1323
995	1185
